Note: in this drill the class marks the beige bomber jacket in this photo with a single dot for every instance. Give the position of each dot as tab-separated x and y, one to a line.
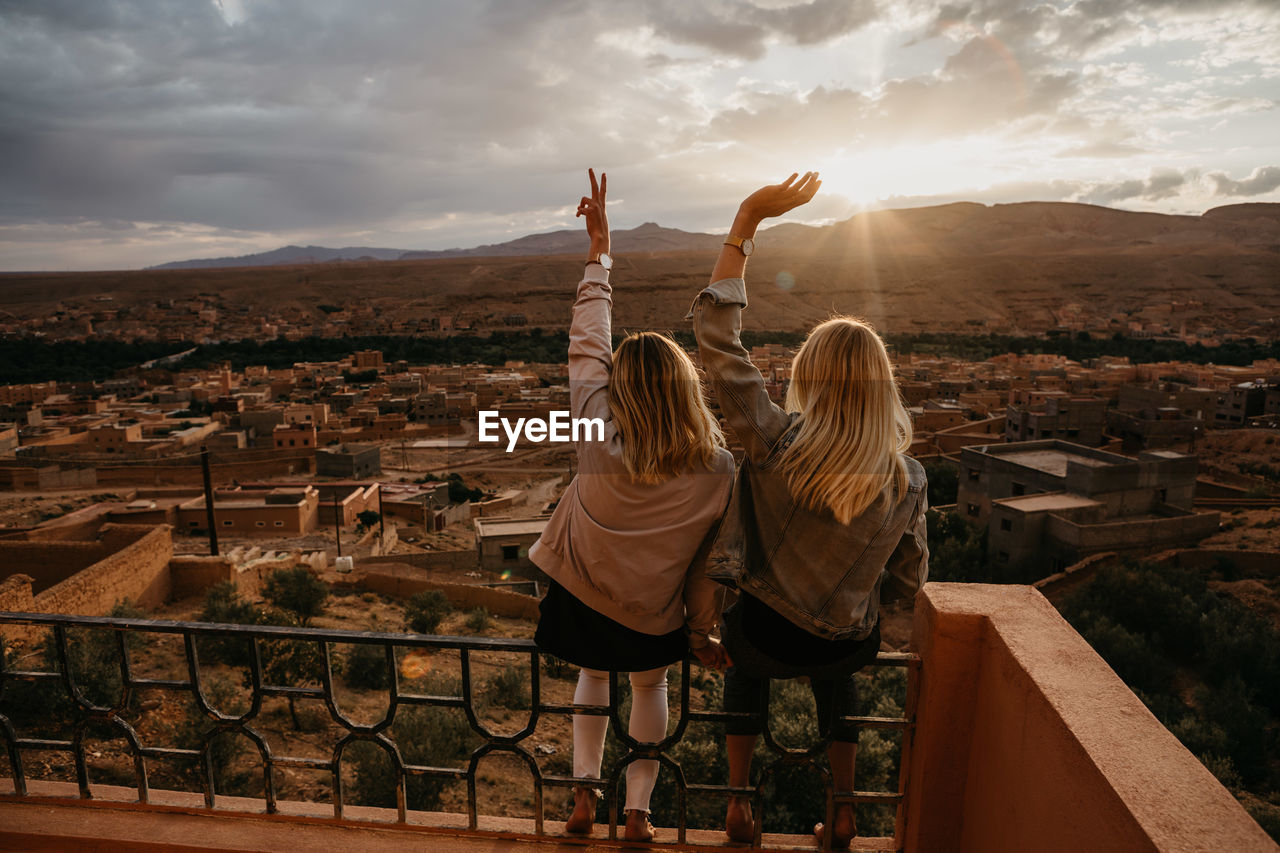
635	552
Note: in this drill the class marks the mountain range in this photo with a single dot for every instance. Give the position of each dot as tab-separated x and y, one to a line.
959	267
962	227
649	237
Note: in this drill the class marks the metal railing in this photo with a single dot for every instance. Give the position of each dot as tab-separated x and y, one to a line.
88	714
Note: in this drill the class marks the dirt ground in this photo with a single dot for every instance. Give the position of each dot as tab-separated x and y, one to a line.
1247	529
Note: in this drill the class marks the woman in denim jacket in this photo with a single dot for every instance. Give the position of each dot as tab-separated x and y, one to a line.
827	515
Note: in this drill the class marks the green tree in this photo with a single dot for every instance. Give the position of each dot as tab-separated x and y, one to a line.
298	591
424	611
289	663
944	483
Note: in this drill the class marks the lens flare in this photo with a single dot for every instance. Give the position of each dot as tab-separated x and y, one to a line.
415	665
784	280
506	576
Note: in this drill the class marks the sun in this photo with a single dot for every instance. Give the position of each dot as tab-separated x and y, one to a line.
867	175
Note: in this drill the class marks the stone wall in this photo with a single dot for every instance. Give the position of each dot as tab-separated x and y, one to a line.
138	571
467	559
401	582
50	563
190	576
16	595
223	472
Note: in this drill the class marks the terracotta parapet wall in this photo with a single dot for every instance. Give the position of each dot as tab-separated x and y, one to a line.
1026	740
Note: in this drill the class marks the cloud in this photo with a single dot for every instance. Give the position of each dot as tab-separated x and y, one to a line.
1263	180
1160	184
229	123
744	29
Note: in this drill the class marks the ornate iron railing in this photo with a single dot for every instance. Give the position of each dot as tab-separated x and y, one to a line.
88	714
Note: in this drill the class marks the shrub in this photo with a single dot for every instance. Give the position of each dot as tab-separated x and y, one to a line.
509	688
189	729
957	549
944	483
93	657
365	667
425	610
459	492
223	605
478	620
298	591
290	663
426	735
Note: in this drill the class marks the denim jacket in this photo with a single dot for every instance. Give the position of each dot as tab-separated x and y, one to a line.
824	576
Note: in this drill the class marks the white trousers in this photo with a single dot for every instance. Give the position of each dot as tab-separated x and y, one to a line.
648	724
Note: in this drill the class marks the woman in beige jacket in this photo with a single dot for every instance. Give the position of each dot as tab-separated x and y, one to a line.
625	546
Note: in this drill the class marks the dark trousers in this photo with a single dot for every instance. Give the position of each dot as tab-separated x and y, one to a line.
834	697
764	645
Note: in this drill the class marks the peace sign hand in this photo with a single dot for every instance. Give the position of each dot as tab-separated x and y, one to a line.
593	210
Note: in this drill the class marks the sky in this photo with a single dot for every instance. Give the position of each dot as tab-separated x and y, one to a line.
136	132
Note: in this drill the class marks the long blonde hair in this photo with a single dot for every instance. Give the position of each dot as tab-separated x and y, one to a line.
658	408
852	423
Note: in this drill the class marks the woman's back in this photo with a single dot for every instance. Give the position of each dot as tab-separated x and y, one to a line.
823	575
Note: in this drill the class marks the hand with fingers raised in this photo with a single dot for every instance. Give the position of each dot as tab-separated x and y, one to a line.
777	199
764	203
592	208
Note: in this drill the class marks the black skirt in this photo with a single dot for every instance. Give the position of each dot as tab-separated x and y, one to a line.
574	632
765	644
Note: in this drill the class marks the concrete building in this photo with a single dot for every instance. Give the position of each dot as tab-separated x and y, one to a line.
502	543
1241	402
290	511
349	461
1056	502
293	436
368	360
1149	429
1076	419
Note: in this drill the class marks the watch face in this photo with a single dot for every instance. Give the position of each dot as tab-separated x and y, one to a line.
606	261
748	245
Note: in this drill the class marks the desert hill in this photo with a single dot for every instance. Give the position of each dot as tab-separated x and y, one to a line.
1023	267
963	227
649	237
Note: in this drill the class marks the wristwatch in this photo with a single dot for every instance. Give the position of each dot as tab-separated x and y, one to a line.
603	260
746	244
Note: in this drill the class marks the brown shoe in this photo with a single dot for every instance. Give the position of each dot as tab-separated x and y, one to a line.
738	822
584	811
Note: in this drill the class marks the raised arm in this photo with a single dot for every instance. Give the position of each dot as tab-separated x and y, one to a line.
765	203
717	321
590	341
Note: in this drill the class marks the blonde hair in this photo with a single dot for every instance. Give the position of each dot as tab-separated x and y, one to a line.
658	408
852	425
